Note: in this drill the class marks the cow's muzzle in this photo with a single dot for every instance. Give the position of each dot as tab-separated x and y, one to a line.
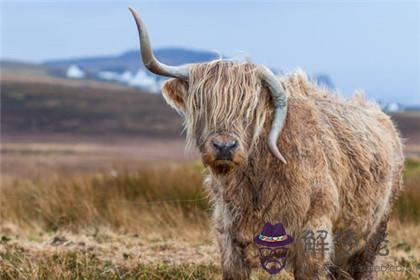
222	152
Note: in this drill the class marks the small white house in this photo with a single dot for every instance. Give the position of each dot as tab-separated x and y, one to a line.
74	72
393	107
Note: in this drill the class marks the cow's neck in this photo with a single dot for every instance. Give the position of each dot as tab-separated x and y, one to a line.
243	190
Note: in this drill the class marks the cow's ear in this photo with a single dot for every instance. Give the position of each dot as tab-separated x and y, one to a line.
175	91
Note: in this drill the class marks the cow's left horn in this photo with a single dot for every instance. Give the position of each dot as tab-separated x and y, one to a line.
280	109
150	60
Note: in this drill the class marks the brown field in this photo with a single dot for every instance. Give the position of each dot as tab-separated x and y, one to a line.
409	125
31	157
96	184
132	209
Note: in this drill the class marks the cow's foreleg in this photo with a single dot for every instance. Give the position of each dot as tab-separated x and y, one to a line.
234	262
233	259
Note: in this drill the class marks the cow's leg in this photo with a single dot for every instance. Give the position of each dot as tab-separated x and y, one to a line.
315	245
234	263
361	262
233	260
314	250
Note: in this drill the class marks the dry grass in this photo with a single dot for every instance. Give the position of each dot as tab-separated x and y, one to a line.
106	255
147	224
165	201
74	265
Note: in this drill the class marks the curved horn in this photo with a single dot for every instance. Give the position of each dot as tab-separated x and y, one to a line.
280	109
150	60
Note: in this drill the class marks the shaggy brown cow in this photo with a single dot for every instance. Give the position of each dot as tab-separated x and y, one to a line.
338	171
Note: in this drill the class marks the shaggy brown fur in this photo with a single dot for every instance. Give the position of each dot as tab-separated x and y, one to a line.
344	163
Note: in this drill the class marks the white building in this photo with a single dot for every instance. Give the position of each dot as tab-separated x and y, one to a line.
74	72
393	107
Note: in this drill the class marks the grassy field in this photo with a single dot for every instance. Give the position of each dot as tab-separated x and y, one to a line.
96	184
152	223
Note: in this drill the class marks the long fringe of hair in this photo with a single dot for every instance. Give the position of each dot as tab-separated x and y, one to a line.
224	96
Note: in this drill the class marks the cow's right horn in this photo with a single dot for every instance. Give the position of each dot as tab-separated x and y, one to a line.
150	60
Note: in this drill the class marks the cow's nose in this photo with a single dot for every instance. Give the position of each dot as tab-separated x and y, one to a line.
224	146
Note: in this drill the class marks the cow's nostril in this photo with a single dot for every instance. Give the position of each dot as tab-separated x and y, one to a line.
231	144
224	145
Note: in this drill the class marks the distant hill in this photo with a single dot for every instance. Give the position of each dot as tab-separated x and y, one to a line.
130	60
44	106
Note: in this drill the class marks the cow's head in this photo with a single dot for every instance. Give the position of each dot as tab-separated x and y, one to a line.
225	104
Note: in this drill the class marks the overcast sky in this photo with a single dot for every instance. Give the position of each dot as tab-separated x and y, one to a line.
372	45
